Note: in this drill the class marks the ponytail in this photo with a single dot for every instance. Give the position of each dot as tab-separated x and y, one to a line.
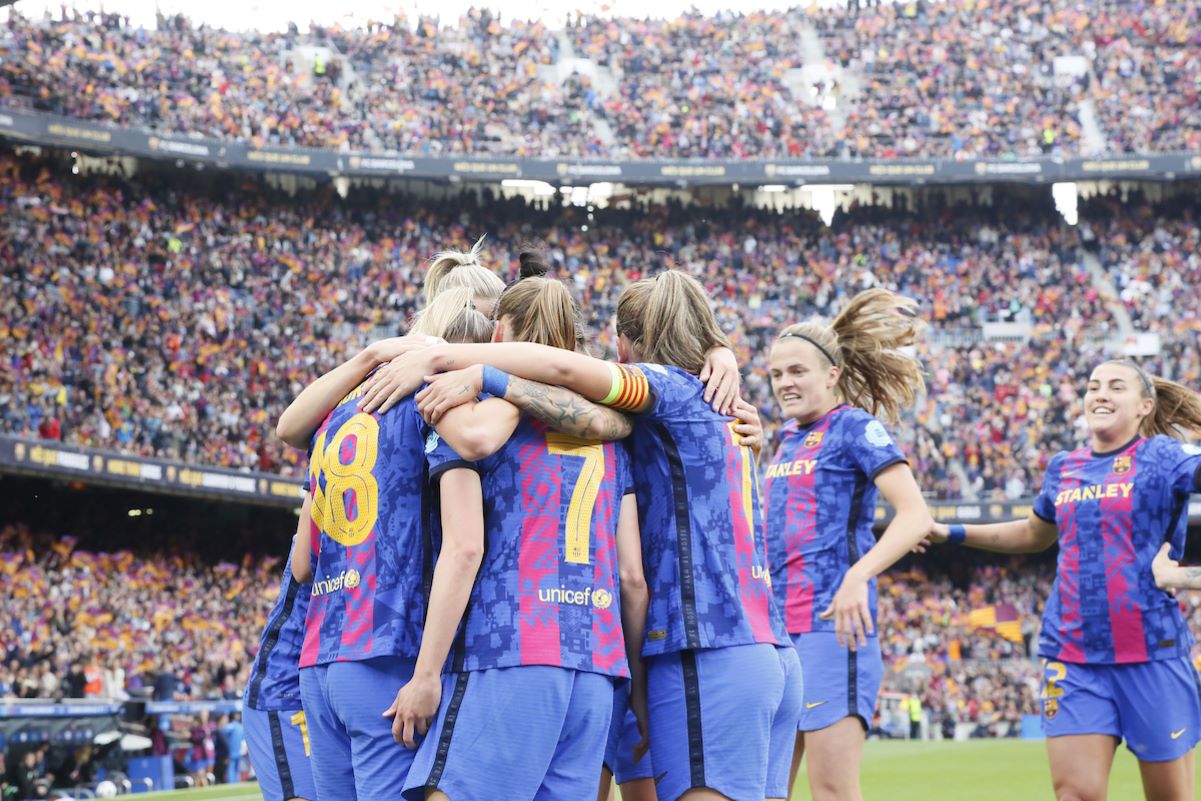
454	268
668	320
538	309
1177	408
865	343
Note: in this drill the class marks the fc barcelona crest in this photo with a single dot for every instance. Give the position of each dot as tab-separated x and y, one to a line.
814	439
1051	708
1121	464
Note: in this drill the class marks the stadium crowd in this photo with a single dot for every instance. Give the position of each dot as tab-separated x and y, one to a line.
178	625
948	78
89	624
167	319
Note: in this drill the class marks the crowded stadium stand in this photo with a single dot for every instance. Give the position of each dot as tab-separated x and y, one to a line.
187	241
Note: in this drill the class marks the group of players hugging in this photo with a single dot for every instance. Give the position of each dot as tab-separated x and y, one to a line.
522	572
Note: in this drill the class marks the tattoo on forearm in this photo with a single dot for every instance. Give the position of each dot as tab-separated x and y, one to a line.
565	411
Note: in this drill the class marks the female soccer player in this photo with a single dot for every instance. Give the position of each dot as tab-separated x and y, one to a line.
832	459
276	731
715	678
542	641
1115	648
374	550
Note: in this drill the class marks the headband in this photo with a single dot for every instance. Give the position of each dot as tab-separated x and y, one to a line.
814	343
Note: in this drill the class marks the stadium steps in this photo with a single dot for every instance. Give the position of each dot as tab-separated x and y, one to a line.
818	71
1105	288
1095	140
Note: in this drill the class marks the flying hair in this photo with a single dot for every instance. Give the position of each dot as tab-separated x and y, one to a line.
865	343
1177	408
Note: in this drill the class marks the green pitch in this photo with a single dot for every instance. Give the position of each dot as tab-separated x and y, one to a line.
982	770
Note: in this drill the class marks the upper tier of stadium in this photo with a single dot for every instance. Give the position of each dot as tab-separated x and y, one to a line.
164	315
951	79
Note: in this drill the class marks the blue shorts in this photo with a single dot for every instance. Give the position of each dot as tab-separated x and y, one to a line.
839	682
623	736
354	755
278	743
531	732
1154	706
784	724
711	714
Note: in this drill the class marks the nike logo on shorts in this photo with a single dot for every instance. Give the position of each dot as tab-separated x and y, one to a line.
1176	734
814	704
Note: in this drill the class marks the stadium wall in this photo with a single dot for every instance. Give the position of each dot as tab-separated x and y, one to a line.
47	129
39	458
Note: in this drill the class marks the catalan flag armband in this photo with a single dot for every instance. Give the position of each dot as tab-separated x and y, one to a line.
629	391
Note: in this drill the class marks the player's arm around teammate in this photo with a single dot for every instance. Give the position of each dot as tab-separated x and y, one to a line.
1116	650
832	459
454	279
713	628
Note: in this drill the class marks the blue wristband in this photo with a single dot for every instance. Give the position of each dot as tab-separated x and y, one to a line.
496	382
957	534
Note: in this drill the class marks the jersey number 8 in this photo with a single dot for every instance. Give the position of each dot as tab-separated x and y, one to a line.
348	506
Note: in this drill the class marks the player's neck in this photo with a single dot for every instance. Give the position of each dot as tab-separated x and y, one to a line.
1110	441
823	410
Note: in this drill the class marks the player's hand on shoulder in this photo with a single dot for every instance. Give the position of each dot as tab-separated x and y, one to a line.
445	391
414	709
721	379
394	382
748	427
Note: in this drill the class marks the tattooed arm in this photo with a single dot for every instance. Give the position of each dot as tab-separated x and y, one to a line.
479	429
567	412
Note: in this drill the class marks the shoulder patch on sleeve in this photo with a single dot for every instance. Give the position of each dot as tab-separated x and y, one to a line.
876	434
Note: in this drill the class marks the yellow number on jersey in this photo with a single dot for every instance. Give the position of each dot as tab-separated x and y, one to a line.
583	497
329	505
750	481
300	722
1055	673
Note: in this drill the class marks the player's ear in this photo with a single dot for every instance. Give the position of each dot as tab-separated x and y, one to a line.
498	331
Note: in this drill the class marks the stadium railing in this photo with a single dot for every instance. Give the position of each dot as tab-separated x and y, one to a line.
41	128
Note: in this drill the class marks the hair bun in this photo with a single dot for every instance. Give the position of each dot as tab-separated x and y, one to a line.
532	259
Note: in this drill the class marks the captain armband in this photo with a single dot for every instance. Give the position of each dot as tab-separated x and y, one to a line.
629	391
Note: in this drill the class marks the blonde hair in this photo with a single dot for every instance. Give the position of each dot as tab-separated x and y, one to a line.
668	320
1177	408
539	309
453	316
454	268
864	342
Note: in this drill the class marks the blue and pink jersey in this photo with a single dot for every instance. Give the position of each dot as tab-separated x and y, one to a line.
274	684
821	504
547	591
698	504
1114	511
372	534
